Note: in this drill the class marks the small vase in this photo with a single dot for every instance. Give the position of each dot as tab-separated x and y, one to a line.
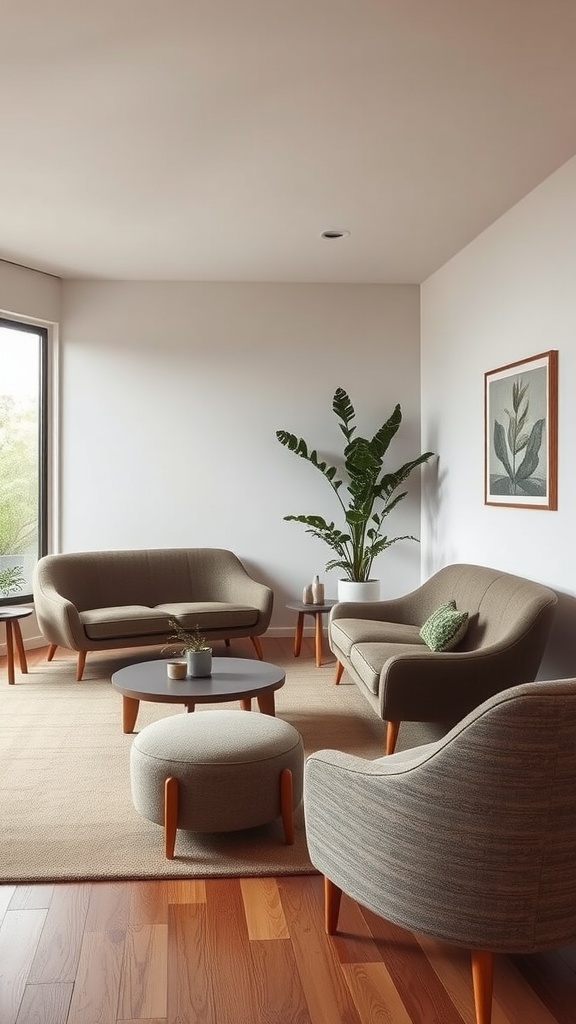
198	663
317	591
307	595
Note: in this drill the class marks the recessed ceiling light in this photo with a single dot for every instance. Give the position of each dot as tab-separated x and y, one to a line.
335	233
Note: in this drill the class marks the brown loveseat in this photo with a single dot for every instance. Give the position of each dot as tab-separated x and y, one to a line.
99	600
379	644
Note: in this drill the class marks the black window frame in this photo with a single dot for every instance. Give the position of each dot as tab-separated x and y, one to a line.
43	442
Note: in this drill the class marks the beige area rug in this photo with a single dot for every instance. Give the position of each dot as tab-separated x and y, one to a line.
65	807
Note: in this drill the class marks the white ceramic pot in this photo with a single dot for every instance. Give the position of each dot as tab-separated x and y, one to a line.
349	590
199	663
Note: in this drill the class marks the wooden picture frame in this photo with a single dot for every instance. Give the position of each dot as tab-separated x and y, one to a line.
521	433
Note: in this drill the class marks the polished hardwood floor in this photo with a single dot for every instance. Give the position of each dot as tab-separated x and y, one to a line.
243	951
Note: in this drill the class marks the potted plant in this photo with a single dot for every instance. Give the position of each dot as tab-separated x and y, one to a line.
372	495
195	646
11	580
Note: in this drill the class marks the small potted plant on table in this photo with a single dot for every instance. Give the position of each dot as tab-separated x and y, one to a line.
194	645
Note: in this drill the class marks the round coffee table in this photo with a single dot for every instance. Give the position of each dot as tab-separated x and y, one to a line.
231	679
9	615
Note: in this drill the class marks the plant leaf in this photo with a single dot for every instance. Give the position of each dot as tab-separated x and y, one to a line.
531	458
500	447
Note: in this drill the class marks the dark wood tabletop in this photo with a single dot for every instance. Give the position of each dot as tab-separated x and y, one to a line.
231	679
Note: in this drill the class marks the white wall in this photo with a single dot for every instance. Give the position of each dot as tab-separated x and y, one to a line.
171	397
29	293
509	295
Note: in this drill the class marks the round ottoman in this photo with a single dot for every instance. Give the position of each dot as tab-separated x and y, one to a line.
217	771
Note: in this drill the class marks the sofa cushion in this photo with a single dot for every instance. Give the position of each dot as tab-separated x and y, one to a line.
210	614
346	632
126	620
445	628
369	659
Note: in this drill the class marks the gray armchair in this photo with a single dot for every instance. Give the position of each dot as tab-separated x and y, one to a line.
470	839
379	645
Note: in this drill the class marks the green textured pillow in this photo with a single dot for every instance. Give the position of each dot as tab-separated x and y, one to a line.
445	628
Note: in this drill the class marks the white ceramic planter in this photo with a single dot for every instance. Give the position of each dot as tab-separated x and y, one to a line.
199	663
348	590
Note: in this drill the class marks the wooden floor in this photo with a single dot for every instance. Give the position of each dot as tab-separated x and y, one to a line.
243	951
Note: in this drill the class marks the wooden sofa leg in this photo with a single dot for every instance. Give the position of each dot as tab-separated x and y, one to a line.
392	730
482	981
339	672
51	651
257	647
170	816
332	897
81	664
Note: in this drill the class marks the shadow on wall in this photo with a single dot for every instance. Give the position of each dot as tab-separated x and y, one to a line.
439	551
559	661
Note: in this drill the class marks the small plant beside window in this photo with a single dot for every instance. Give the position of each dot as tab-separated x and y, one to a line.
11	580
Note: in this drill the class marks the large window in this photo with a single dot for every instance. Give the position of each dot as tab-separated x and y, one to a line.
23	456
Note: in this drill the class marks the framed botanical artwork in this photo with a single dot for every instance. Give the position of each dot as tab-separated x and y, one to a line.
521	433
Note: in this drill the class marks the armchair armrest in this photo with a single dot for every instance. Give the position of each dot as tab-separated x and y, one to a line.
435	686
58	617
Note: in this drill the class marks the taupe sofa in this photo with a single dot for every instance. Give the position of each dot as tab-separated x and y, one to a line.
379	645
99	600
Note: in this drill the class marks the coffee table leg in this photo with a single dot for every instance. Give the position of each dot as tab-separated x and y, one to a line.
191	706
298	634
246	703
266	703
129	713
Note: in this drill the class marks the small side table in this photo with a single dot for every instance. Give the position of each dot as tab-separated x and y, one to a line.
317	610
9	616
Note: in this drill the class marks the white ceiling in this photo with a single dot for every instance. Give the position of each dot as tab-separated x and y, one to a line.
216	140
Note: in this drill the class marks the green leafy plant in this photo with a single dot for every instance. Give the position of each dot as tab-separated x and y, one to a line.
11	580
509	446
186	639
371	490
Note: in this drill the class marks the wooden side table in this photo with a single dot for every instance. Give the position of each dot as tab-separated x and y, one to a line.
317	610
9	616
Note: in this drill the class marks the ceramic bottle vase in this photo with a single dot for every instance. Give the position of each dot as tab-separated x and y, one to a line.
317	591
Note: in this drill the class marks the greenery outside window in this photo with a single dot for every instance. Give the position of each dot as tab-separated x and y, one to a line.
23	453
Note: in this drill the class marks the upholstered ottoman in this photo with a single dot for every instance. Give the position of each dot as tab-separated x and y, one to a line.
217	771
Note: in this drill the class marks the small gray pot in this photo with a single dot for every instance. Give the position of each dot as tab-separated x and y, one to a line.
198	663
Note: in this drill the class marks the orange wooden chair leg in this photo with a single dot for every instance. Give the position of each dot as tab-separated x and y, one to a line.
287	805
339	672
51	651
392	730
170	816
332	897
483	982
257	647
81	664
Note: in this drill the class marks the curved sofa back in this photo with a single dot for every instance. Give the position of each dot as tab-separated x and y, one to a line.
149	576
501	606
